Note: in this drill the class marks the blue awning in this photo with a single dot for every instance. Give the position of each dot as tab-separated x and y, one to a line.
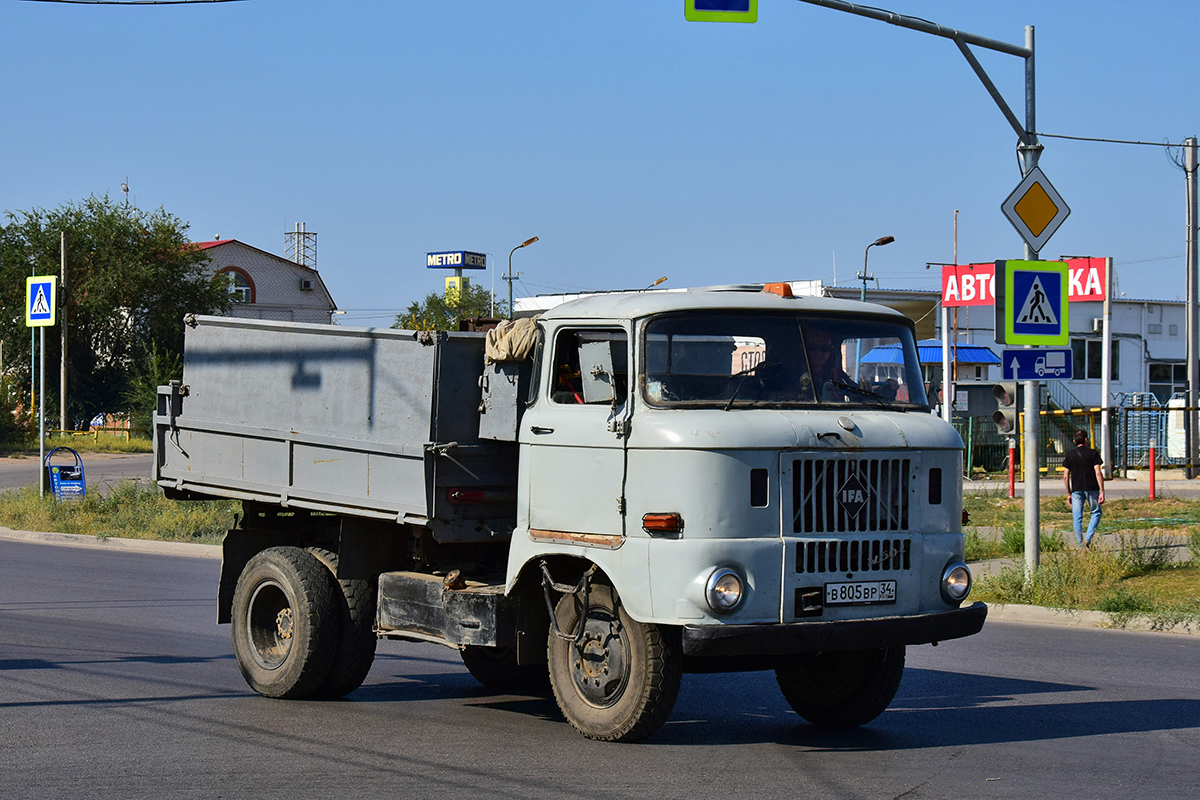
930	352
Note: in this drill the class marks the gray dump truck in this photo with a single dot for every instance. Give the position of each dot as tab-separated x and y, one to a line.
646	484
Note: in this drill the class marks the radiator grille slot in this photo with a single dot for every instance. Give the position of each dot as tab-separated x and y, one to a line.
850	495
854	555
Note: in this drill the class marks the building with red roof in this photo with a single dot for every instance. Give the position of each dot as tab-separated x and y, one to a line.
267	286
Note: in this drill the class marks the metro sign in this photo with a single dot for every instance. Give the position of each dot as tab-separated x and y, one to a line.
975	284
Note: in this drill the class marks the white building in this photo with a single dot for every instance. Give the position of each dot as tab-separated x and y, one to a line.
266	286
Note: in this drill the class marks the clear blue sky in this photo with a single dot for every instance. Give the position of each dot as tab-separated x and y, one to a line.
633	143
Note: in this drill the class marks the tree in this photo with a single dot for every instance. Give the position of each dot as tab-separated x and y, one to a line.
438	313
131	277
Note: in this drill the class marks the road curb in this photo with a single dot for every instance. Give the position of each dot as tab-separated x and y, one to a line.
1012	612
114	544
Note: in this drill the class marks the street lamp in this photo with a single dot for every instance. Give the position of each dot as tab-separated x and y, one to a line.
863	276
509	276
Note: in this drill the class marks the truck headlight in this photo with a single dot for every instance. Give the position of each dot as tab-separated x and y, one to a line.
724	591
956	582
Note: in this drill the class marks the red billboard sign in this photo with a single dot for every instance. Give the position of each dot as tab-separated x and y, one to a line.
975	284
1086	279
968	284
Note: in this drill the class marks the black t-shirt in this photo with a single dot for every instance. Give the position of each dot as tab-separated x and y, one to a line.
1081	463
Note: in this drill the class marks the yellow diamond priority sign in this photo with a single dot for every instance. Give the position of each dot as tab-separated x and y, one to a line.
1035	209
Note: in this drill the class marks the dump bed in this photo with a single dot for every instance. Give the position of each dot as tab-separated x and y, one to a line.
370	422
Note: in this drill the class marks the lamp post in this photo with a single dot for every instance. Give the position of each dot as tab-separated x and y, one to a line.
863	276
509	277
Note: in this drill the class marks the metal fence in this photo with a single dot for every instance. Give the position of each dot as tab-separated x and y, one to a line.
1133	426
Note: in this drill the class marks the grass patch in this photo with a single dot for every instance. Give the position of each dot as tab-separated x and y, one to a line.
126	512
1135	577
993	510
88	443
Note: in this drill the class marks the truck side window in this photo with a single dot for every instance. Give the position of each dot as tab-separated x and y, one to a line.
590	367
535	381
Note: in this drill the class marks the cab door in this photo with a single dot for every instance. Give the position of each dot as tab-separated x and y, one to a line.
573	436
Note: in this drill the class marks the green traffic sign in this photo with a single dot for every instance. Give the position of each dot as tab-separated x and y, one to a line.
720	10
1032	302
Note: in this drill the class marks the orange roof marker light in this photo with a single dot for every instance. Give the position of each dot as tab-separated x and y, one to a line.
781	289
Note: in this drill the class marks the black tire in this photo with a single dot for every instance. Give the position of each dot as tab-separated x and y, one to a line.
842	689
285	624
620	683
497	668
356	631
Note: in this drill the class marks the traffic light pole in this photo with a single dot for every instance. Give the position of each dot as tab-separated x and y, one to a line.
1029	150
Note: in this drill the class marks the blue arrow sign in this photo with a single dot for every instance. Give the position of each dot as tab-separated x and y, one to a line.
1040	364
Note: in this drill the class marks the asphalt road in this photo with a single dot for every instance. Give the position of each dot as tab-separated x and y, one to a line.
101	471
115	682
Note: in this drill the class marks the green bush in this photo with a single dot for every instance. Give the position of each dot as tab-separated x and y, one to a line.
1123	600
1138	554
1193	544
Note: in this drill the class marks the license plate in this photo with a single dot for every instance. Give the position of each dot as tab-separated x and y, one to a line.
862	592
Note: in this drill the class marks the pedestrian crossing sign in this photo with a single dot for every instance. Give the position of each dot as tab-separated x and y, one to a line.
41	301
1031	303
720	10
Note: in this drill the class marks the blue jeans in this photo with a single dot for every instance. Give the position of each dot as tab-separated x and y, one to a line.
1078	498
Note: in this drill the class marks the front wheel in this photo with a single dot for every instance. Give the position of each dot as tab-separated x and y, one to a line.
842	689
619	679
285	626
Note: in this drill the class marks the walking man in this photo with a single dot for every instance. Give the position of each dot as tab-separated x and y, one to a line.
1084	481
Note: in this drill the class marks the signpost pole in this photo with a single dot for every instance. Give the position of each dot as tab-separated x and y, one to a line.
42	412
62	371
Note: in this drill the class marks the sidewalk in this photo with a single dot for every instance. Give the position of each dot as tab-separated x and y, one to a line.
996	612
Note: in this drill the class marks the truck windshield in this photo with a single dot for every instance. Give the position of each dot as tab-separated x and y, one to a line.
745	360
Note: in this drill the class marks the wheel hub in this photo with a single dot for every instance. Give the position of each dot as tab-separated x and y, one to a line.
600	663
283	624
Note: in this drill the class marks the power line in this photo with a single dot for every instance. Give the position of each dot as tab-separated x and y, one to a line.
1106	141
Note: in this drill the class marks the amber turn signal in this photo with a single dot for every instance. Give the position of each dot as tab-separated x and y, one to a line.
662	523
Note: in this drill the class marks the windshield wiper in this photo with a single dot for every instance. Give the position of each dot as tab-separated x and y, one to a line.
742	374
868	393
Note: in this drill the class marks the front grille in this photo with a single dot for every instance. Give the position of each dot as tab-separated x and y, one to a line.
854	555
850	495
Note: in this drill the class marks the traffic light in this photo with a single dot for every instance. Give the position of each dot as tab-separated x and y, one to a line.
1005	415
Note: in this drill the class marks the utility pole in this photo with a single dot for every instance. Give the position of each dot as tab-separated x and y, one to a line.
1193	368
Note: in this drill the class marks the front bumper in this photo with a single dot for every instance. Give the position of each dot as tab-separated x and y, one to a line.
811	637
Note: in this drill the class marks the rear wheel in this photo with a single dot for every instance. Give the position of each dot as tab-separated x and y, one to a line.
619	682
284	623
842	689
355	609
